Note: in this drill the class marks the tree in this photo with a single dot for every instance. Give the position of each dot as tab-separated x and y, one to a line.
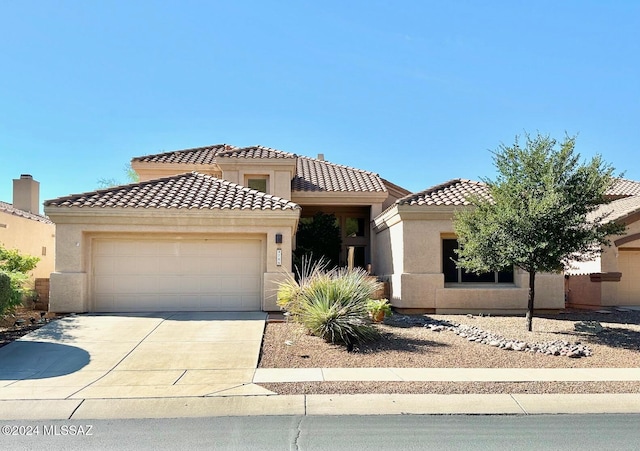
131	176
536	218
318	237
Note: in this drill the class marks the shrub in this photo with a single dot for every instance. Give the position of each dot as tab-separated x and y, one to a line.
289	291
379	309
343	323
331	304
13	261
10	291
14	267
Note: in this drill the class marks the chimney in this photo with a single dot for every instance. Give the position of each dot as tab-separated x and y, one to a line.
26	194
321	156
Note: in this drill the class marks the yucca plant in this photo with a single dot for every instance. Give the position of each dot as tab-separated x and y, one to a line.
290	289
331	304
339	323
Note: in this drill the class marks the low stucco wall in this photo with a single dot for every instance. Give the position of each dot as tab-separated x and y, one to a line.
428	292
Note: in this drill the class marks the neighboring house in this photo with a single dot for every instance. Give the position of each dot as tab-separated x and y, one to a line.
210	228
415	241
614	277
24	229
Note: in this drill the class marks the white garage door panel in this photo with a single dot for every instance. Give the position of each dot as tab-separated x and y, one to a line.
629	289
177	275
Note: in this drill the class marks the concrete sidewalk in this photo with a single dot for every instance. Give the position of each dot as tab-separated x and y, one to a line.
271	375
252	399
383	404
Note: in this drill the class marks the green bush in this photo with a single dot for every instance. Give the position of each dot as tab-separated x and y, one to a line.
10	291
331	304
13	261
14	267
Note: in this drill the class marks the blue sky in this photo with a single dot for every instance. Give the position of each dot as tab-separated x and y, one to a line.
417	91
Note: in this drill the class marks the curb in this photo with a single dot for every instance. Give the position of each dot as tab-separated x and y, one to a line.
319	405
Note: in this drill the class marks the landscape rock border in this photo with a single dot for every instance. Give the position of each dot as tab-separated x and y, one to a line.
476	335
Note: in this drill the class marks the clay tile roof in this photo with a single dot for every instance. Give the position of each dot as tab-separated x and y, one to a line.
255	152
320	175
623	187
198	155
453	192
617	209
190	190
10	209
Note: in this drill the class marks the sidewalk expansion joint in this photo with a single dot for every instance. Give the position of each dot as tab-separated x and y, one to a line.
519	405
76	409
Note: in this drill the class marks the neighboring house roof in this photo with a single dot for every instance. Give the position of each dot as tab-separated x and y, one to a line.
190	190
319	175
452	192
623	187
8	208
198	155
255	152
617	209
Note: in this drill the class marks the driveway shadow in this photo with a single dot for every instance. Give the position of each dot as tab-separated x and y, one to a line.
40	360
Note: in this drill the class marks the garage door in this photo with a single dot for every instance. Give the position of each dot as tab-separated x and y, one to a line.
629	265
176	275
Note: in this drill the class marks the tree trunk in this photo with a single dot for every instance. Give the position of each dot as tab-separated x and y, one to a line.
532	293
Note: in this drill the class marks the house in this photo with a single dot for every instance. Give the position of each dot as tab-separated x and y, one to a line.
613	279
22	227
209	228
415	241
213	228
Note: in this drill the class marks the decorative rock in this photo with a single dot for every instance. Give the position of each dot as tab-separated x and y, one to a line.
477	335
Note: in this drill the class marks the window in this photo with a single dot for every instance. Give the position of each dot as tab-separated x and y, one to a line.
453	274
354	227
258	183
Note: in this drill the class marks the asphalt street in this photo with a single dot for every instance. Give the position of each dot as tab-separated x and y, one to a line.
306	433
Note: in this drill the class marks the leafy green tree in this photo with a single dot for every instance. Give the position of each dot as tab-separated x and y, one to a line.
537	216
319	238
131	176
13	261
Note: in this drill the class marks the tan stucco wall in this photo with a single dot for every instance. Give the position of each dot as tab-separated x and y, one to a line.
151	171
71	283
609	263
409	243
582	292
278	171
30	237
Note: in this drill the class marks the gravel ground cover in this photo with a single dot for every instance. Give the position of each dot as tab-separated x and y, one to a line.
407	343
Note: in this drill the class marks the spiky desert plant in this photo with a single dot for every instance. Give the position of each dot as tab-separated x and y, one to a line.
343	322
291	287
331	304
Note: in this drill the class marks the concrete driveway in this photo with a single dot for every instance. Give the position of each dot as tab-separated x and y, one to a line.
144	355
